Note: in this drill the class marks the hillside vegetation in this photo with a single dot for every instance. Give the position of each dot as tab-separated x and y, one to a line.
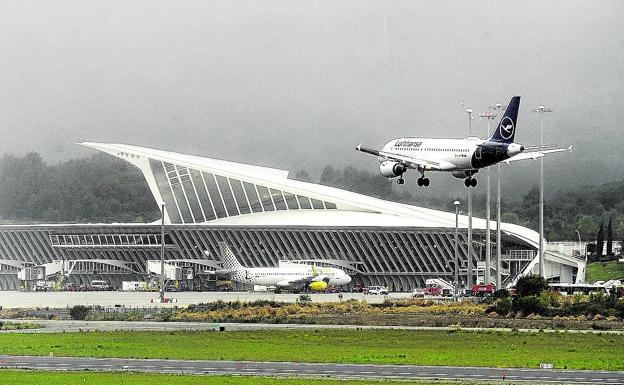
604	271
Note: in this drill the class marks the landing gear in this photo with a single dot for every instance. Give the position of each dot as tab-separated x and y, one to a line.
470	182
400	181
422	181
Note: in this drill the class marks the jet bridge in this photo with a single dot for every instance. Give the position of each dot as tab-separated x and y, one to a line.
55	271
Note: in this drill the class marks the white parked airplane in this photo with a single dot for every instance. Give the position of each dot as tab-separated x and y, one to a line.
287	274
461	157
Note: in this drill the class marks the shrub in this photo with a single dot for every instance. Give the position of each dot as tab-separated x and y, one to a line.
78	312
501	293
304	299
531	285
502	306
530	305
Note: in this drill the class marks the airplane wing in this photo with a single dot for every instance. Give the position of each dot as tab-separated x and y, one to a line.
297	282
305	280
407	161
536	154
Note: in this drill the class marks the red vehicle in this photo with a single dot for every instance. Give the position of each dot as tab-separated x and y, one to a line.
433	290
483	290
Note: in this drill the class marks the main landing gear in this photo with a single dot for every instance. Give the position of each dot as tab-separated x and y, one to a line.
470	182
422	181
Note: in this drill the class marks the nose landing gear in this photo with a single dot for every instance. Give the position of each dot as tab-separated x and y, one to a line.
400	180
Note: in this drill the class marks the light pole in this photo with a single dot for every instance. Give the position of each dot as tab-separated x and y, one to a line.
162	253
542	271
456	258
489	116
469	278
499	284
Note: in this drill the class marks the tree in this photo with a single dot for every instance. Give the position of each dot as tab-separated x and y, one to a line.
600	240
610	236
78	312
531	285
303	176
586	225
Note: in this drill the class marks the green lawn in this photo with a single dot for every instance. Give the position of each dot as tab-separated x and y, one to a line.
604	271
499	349
15	377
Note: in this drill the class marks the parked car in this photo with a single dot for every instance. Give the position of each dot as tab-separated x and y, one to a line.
69	286
381	290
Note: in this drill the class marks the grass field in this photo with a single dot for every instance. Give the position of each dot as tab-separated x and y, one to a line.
15	377
498	349
604	271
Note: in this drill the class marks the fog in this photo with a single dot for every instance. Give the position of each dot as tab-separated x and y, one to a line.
296	85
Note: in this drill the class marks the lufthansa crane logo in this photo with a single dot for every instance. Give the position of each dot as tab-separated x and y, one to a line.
506	127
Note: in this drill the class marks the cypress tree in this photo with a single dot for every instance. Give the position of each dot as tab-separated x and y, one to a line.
610	237
600	240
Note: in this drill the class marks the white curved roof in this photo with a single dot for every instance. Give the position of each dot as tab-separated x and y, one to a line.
352	209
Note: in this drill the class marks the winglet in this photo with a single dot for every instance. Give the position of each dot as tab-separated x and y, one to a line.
359	147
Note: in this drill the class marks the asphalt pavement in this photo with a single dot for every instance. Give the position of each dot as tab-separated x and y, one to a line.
293	369
61	326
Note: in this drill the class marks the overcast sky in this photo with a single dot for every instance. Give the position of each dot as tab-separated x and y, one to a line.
296	85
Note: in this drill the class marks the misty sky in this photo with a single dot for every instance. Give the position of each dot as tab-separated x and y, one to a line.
296	85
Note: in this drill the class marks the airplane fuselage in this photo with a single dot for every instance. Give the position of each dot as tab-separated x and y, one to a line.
281	276
454	154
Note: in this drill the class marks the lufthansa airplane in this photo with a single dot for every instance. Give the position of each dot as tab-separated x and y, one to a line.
461	157
287	274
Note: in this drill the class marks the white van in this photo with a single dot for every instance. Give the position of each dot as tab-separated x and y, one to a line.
381	290
100	285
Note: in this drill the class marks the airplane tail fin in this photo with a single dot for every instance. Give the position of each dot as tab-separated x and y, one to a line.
505	131
229	259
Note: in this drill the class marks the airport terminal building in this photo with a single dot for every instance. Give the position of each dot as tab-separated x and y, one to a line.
266	217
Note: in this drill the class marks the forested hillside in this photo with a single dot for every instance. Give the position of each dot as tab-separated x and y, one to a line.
104	189
95	189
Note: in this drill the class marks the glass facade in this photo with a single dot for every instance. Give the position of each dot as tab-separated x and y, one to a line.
193	196
400	258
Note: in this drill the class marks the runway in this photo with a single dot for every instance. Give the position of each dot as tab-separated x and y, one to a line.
292	369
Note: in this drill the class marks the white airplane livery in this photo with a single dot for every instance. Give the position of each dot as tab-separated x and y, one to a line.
287	274
461	157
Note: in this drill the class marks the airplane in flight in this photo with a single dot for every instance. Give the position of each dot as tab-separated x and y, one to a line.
461	157
286	275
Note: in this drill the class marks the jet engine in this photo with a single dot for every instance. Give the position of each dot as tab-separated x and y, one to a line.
318	285
391	169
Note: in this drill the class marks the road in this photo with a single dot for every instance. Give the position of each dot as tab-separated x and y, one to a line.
61	326
292	369
17	299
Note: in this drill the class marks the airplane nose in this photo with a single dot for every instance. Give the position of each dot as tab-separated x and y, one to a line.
347	279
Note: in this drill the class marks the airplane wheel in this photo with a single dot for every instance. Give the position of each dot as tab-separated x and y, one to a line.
473	182
419	181
467	182
426	182
400	181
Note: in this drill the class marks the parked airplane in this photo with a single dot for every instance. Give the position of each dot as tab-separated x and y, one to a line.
461	157
287	274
